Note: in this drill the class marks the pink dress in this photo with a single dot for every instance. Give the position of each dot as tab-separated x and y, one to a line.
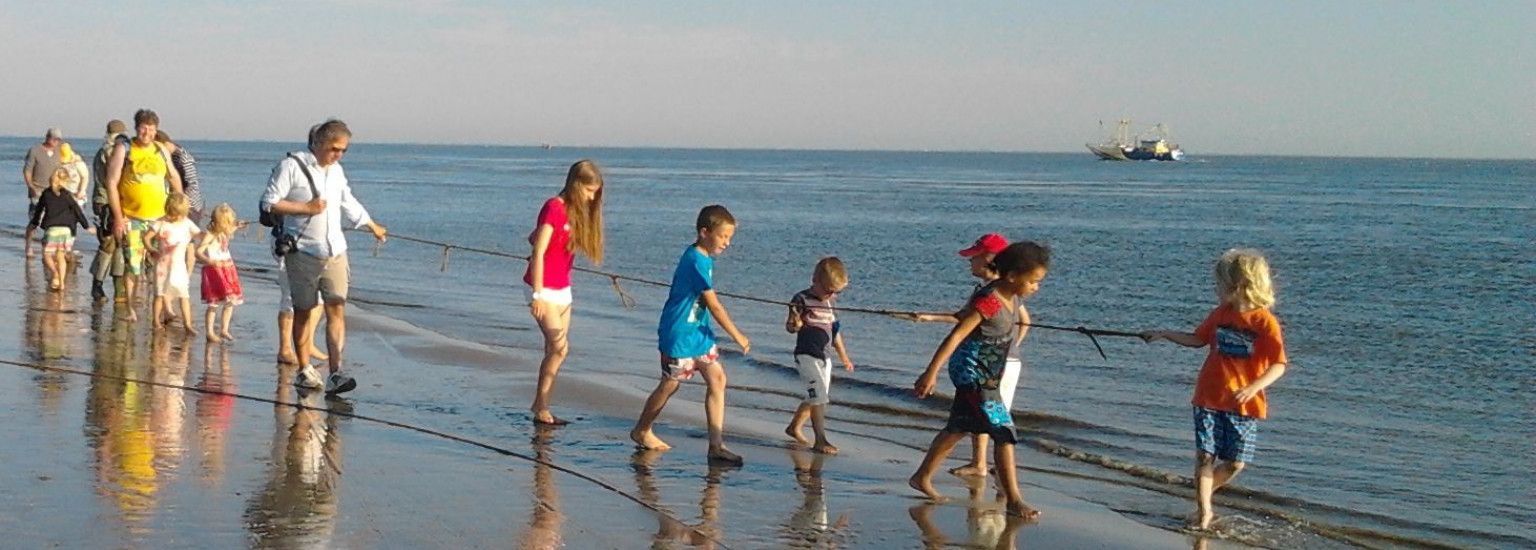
221	282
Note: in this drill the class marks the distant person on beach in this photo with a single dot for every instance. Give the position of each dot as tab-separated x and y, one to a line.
221	282
570	222
317	266
813	320
186	166
1247	355
980	255
137	173
171	240
57	213
976	351
37	169
107	261
686	340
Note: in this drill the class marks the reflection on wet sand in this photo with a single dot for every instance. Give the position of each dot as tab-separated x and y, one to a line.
545	528
49	324
296	507
133	427
214	412
809	526
671	531
987	524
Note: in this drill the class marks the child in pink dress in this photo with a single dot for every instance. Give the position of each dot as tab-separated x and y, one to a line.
221	282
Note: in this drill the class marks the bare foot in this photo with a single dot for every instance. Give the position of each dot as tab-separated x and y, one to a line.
721	455
1023	511
316	354
1202	521
546	418
824	448
213	338
133	316
969	470
794	433
190	331
226	335
649	441
925	486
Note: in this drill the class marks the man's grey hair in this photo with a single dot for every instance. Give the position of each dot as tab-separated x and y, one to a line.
326	132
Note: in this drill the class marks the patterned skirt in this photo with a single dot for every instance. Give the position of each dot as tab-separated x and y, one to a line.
221	285
976	368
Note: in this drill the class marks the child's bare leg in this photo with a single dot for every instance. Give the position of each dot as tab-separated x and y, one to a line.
186	316
155	305
213	335
819	425
797	424
922	479
229	313
49	268
642	434
1205	486
1008	480
714	413
61	262
978	464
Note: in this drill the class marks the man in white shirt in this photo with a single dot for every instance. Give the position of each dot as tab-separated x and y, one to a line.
317	268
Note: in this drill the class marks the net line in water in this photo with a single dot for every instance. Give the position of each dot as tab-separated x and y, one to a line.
629	302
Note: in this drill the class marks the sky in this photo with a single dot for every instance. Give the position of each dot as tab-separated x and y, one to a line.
1356	78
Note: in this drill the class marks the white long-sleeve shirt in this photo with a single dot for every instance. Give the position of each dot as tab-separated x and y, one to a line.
319	235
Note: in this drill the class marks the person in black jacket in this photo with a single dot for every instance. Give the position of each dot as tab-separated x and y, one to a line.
57	212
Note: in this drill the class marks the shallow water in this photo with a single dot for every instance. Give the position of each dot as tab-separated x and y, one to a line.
1404	288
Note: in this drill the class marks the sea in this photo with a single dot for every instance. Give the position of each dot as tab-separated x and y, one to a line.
1405	418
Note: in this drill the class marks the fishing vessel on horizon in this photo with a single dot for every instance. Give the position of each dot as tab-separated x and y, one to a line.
1152	145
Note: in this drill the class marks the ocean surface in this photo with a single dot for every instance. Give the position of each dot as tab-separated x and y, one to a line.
1405	418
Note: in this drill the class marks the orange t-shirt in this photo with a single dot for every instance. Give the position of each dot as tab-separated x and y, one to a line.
1244	344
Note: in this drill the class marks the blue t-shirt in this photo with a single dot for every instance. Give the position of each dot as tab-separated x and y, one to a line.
684	330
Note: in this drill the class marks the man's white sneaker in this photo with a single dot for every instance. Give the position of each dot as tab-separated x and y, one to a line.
308	378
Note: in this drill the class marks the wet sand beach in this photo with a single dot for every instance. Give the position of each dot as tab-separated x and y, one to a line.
127	458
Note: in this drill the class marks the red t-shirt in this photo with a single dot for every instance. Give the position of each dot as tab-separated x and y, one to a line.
558	257
1244	344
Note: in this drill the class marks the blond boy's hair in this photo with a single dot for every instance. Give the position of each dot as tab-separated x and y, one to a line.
177	205
1242	279
830	272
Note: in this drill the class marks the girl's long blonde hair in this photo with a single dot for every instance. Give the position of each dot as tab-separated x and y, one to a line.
223	223
586	217
1242	279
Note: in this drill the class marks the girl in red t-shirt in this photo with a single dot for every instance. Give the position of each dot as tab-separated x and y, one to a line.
1247	355
570	222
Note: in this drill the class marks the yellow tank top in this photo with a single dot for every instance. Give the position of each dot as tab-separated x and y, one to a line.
142	189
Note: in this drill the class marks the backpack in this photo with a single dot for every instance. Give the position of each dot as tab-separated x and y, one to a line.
275	221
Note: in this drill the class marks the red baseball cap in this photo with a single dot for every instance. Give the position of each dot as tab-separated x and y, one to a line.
991	243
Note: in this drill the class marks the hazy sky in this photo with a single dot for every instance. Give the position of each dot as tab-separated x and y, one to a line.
1440	78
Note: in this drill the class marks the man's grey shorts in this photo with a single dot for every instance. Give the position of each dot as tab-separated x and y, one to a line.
312	279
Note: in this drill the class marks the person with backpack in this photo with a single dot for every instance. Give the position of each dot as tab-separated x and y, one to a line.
106	261
311	193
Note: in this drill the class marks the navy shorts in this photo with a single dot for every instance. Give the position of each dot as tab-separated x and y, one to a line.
1229	436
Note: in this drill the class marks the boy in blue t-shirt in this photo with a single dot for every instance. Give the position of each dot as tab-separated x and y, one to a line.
685	339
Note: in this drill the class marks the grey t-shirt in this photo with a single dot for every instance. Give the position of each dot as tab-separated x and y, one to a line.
41	163
999	321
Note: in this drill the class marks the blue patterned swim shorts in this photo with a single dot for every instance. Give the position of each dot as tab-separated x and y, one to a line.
1226	435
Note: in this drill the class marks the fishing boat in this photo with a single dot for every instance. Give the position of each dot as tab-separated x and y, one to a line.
1154	144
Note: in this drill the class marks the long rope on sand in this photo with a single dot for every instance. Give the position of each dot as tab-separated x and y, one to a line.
629	301
391	423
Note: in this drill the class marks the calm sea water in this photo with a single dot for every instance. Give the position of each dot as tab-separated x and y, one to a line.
1404	286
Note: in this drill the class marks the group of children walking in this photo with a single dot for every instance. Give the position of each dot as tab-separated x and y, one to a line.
980	353
175	245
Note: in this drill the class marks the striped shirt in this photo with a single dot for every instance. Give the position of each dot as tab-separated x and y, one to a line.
186	166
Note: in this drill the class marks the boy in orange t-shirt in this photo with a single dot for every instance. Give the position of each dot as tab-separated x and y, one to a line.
1247	355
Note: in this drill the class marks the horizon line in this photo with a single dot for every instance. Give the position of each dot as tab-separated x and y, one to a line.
841	150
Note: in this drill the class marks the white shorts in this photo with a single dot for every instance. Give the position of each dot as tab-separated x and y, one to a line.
1010	381
556	296
815	377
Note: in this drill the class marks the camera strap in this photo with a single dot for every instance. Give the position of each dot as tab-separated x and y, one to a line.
314	191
